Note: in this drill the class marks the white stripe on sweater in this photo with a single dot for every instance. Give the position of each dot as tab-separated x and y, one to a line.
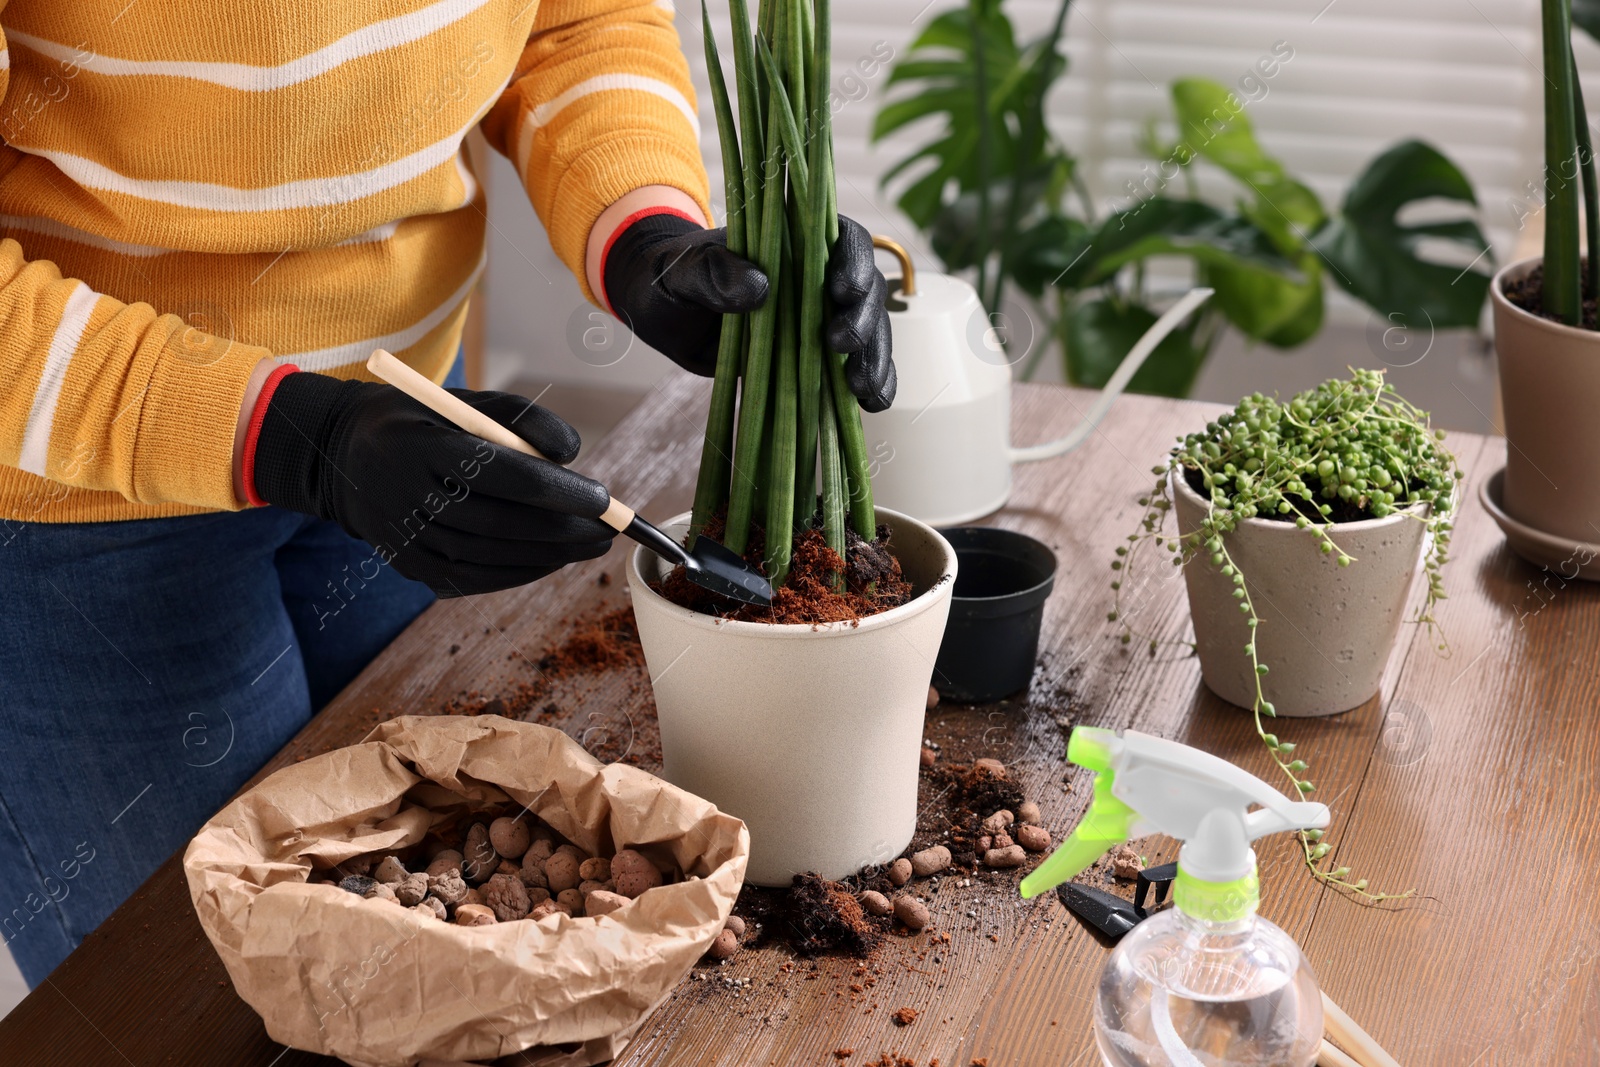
378	37
42	416
305	193
358	351
52	228
376	235
545	113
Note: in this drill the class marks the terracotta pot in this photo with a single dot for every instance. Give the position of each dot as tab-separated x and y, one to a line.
811	735
1549	382
1326	631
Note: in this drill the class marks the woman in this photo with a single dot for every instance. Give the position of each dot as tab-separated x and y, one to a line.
208	523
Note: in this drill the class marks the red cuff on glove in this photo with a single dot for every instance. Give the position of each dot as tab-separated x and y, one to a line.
253	432
642	213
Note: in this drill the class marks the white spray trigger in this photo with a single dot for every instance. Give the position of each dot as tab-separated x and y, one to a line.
1203	801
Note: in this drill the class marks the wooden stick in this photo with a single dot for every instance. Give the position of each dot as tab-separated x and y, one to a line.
1363	1049
463	415
1330	1056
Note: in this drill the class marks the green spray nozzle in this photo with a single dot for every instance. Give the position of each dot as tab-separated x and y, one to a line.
1106	824
1161	786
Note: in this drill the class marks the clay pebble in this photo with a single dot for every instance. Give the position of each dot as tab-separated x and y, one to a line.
900	871
381	891
1033	838
510	837
998	822
930	861
411	889
602	902
1125	862
875	903
725	945
507	897
561	873
991	767
911	911
449	887
475	915
633	872
390	871
447	860
1013	856
479	858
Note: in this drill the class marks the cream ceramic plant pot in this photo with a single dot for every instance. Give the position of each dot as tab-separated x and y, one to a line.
811	735
1325	632
1549	379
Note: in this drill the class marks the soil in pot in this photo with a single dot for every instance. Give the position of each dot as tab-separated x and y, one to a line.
1527	293
873	582
1343	510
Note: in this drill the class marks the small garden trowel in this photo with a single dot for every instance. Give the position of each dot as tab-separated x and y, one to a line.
1109	913
708	565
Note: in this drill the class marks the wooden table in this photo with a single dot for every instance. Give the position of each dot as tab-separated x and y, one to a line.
1470	778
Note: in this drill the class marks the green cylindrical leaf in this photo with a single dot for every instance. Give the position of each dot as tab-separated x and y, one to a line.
758	360
834	490
781	432
716	451
1563	286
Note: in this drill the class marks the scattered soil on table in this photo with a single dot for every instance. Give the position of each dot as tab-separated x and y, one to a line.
904	1016
1527	293
824	916
873	582
598	657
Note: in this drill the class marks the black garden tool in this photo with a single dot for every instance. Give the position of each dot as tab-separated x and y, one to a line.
1109	913
707	564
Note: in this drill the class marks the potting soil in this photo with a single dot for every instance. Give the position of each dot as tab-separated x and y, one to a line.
811	593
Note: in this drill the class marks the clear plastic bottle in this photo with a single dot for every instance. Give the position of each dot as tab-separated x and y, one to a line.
1186	992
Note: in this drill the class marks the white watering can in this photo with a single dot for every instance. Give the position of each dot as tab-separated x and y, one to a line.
943	452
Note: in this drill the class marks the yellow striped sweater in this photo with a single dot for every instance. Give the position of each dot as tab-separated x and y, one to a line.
187	187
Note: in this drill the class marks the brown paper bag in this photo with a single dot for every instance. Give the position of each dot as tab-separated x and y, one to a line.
381	986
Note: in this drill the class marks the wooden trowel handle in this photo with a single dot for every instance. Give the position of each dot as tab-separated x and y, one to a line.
464	416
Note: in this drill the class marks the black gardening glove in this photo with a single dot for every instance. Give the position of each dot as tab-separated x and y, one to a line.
671	281
445	507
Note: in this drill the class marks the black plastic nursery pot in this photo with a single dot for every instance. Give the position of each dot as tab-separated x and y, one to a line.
992	639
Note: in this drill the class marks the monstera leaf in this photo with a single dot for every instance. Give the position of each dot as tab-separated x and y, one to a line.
1159	226
1586	14
1096	334
1212	124
970	92
1376	258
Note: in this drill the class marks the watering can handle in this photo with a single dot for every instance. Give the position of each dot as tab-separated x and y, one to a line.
1119	380
908	273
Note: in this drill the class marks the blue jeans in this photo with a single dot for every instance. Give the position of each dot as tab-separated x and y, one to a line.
147	670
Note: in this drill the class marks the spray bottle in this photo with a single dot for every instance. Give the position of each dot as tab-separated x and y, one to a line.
1207	982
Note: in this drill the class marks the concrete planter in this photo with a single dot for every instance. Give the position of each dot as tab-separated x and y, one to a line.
1549	379
1326	631
811	735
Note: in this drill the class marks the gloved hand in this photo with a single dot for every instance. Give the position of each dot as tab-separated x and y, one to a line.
443	506
671	281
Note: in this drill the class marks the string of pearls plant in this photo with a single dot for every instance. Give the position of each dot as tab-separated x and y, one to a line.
1349	449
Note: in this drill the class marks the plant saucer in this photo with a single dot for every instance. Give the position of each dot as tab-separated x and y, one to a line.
1566	557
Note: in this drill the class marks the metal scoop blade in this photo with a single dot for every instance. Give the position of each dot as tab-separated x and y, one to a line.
708	564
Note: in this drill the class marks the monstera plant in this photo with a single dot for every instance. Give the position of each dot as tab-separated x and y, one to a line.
998	195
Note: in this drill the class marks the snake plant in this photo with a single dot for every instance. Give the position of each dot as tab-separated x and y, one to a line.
779	402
